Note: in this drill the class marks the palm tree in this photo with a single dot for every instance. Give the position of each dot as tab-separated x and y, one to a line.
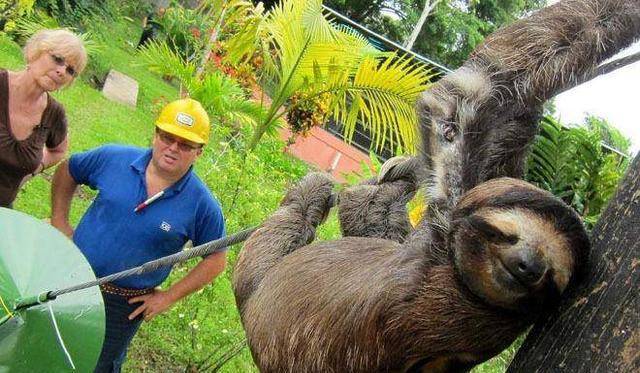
305	52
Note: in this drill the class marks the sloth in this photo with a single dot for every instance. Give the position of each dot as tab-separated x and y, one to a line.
492	252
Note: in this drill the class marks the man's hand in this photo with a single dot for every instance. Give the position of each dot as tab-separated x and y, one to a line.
159	301
152	304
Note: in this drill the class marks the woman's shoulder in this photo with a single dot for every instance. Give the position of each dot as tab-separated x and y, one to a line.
4	80
54	105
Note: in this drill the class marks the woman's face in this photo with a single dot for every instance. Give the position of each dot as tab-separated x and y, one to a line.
51	71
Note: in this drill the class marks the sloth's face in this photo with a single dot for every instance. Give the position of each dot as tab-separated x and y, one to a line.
512	258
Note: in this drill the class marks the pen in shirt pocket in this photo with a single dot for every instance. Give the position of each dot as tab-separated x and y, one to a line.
148	201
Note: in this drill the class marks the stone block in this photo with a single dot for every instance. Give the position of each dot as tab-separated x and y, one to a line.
120	88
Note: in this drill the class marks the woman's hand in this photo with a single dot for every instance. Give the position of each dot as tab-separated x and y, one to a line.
63	226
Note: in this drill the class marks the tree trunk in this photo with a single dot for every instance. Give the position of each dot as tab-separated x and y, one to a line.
428	7
597	330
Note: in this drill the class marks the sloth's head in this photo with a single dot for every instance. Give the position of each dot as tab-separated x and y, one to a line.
515	245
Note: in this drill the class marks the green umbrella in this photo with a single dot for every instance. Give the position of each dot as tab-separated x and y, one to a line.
55	336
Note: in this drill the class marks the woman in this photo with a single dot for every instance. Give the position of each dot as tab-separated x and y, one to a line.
33	126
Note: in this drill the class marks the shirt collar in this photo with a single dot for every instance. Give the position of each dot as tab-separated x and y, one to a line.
140	166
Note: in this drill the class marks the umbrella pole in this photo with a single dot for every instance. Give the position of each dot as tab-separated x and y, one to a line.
9	314
5	318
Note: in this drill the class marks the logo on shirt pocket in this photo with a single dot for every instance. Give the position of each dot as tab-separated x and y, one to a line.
165	226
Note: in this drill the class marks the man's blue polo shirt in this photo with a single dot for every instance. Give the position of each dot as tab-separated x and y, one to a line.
113	237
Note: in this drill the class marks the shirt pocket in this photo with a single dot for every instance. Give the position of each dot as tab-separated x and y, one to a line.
165	237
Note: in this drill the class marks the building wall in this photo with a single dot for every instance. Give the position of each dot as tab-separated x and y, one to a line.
326	152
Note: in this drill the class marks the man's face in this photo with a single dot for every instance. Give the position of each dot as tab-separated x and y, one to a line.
173	154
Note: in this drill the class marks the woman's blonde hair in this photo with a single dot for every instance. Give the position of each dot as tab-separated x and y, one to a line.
59	41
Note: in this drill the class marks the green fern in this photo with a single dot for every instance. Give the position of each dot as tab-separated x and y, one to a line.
571	163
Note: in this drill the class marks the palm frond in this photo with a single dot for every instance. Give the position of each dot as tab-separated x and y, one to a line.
316	25
161	59
91	44
304	52
28	25
356	40
239	13
381	96
246	112
224	99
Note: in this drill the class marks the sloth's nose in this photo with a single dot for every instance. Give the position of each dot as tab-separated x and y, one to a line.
524	265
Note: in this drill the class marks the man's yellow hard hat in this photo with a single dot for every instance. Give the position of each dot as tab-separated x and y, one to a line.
185	118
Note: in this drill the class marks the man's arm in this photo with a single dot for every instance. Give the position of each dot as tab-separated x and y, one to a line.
159	301
62	190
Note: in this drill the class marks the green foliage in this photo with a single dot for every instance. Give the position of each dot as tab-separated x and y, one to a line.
221	96
191	32
243	43
366	171
501	362
28	25
200	330
75	13
609	134
452	30
184	30
10	53
360	10
450	34
572	164
70	12
306	54
10	10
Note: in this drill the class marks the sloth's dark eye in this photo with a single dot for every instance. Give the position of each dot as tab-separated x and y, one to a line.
511	239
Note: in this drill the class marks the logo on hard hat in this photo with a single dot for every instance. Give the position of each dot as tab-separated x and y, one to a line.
185	119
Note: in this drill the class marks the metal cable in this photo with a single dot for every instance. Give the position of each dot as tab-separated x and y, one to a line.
200	250
398	171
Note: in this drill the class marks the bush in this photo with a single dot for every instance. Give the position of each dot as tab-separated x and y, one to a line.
571	163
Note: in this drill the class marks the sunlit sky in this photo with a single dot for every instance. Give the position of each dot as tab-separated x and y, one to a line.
613	96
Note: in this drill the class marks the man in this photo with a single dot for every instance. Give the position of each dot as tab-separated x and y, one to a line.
150	203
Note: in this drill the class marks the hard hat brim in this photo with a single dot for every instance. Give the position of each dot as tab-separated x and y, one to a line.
180	132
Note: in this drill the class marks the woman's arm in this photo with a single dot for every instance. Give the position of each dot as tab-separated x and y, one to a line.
51	156
63	187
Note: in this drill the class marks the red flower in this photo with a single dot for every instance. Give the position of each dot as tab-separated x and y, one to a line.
195	32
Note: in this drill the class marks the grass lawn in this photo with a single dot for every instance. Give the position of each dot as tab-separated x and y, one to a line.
199	329
203	328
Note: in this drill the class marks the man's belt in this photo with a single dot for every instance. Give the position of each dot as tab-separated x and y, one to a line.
123	292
